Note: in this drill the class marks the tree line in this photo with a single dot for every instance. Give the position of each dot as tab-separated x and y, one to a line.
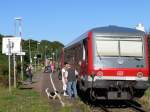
44	49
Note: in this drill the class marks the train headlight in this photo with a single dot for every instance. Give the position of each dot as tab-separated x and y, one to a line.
140	74
99	73
96	68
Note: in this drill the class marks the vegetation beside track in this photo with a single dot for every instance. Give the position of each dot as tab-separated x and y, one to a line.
75	106
28	100
45	49
145	100
22	101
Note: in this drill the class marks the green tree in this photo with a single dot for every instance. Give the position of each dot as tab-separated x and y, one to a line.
45	47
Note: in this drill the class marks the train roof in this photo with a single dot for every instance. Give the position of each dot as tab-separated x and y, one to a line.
117	29
109	30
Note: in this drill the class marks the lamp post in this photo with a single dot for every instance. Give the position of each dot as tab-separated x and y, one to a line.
45	56
53	56
56	55
38	52
30	52
35	57
9	53
19	19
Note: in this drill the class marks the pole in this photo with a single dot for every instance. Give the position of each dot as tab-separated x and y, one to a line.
14	59
38	54
30	51
56	55
53	57
9	53
35	64
19	19
21	67
37	49
45	56
38	63
20	34
20	30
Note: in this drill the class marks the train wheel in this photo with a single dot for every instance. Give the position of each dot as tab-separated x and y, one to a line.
92	95
139	93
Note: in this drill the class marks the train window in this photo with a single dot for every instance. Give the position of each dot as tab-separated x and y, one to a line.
107	48
125	46
131	48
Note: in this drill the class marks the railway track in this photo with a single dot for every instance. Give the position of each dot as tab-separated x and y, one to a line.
124	106
135	107
101	108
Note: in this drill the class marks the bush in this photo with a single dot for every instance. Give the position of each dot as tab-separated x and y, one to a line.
3	70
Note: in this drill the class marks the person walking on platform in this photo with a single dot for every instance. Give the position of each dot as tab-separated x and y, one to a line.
29	72
52	67
64	79
71	74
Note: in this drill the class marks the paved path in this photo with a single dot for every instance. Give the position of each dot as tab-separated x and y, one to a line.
41	81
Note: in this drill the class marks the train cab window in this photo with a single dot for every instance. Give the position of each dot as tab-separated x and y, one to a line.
107	48
121	46
131	48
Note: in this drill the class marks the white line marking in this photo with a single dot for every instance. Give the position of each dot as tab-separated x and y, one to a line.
55	91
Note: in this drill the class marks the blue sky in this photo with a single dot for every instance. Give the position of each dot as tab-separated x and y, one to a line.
64	20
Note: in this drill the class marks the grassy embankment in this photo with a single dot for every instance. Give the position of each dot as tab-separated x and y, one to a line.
22	101
145	100
28	100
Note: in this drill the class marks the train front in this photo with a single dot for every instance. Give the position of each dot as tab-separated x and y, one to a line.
119	64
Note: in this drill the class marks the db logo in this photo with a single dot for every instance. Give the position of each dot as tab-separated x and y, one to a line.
120	73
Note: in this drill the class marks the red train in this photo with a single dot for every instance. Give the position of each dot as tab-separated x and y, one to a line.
112	62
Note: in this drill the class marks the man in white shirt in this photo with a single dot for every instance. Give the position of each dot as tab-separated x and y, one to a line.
64	79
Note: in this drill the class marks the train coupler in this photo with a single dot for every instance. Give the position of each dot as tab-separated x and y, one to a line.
118	95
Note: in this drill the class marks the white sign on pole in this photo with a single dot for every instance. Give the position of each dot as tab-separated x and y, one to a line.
21	53
14	45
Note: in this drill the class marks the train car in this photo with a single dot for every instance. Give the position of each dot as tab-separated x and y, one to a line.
112	62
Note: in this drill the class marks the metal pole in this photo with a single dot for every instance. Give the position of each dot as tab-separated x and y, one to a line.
35	64
19	19
53	57
29	51
38	63
21	67
14	58
9	53
56	55
20	33
15	28
45	56
38	53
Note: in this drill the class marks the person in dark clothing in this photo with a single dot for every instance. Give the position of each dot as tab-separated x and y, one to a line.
71	74
29	72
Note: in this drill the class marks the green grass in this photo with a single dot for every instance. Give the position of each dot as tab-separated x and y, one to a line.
22	101
30	101
145	100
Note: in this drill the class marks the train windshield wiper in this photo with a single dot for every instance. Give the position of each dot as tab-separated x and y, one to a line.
137	58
